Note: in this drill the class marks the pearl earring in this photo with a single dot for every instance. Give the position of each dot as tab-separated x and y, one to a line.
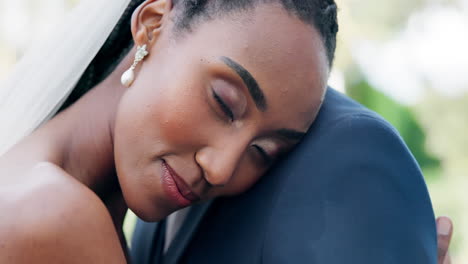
129	76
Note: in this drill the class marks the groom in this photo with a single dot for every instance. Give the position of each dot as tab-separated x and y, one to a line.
351	192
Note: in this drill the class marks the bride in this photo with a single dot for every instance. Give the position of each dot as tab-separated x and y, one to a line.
201	106
207	99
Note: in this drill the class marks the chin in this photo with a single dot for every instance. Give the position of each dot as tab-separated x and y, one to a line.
150	217
148	212
143	198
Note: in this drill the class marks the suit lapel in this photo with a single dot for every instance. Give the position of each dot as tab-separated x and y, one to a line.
142	248
184	235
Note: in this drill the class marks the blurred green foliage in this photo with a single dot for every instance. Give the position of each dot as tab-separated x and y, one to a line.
435	129
400	116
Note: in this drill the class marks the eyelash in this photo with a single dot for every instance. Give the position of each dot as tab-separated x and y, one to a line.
227	111
267	159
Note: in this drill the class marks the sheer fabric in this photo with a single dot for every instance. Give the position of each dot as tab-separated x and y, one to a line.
48	72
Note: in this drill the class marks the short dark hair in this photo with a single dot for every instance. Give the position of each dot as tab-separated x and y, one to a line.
319	13
322	14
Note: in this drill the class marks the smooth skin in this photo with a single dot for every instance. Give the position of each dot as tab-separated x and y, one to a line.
66	187
444	236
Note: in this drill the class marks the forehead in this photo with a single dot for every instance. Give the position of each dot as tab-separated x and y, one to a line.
285	55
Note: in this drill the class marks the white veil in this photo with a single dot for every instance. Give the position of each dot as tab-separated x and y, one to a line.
48	72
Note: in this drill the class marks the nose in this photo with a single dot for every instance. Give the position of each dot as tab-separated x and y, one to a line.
219	163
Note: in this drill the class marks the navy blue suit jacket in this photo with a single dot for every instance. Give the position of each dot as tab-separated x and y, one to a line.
350	192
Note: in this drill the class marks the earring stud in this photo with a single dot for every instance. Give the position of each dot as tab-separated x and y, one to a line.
129	76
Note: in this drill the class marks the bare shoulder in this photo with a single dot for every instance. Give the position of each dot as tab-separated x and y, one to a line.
52	218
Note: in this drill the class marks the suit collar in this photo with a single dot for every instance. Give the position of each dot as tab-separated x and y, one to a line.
186	232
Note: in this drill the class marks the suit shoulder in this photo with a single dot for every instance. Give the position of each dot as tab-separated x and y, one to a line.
340	111
356	188
367	121
55	218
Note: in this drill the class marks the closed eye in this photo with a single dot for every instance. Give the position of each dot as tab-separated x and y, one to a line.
227	111
267	159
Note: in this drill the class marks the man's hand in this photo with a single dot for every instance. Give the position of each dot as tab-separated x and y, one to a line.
444	235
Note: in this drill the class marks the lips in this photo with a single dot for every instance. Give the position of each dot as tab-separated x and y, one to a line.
176	188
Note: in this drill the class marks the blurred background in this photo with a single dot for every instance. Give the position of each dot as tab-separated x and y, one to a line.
405	59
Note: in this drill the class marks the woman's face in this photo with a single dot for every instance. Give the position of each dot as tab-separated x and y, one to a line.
209	112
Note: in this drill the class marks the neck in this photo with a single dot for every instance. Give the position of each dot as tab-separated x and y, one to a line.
81	140
82	136
85	132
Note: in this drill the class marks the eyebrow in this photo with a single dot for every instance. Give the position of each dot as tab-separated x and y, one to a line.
254	90
290	134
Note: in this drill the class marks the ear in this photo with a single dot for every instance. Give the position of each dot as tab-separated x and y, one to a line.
148	20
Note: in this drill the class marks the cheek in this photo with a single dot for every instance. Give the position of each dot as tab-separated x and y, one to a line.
151	124
177	119
163	117
245	177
